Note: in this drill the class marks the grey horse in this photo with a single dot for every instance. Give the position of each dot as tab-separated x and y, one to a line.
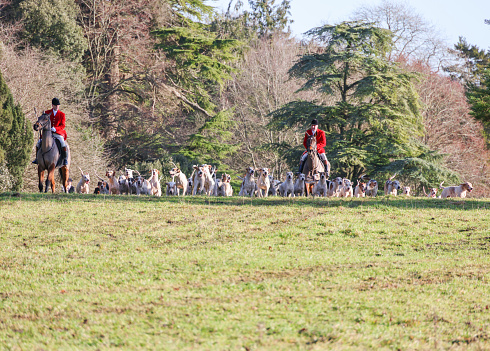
48	156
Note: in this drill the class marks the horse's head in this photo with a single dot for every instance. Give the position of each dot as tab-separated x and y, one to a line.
43	122
311	143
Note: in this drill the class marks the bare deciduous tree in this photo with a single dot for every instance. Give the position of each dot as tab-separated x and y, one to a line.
34	79
414	37
451	130
262	86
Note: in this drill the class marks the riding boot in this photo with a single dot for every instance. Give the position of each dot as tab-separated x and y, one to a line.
64	156
301	166
327	167
35	160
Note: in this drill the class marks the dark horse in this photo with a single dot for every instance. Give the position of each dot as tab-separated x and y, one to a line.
48	156
313	165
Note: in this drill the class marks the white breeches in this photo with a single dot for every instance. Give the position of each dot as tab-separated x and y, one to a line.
323	157
57	136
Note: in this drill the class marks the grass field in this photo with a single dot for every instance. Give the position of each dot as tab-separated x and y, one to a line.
87	272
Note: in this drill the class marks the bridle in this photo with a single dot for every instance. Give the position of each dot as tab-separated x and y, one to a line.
40	125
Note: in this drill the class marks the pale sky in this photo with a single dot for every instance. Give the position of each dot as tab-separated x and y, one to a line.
453	18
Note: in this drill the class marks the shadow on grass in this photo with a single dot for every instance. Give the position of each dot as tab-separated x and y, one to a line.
378	202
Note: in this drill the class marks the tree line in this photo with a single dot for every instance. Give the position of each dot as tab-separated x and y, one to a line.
155	82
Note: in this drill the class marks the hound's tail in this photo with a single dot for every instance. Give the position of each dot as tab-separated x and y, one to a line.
423	188
440	185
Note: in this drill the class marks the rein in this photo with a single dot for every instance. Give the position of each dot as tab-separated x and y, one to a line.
40	137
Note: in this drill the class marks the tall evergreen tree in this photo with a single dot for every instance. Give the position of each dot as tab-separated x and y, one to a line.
212	143
478	82
375	121
52	26
473	62
16	137
264	19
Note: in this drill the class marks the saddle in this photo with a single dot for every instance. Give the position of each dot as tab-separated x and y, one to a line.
59	163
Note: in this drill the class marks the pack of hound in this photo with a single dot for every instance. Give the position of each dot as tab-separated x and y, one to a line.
254	183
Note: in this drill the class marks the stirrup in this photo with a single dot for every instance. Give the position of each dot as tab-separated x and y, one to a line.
35	161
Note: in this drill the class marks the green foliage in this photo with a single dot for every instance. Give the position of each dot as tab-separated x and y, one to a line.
267	18
6	180
264	19
478	82
52	25
201	57
212	142
16	137
375	120
476	60
479	98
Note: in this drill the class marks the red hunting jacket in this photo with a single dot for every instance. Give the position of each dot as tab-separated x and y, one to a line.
58	122
321	140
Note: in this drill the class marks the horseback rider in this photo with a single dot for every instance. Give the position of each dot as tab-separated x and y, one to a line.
58	123
321	142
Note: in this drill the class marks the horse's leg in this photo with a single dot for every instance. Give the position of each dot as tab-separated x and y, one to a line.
64	173
40	175
50	179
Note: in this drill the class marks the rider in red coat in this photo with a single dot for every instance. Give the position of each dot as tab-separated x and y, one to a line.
321	142
58	124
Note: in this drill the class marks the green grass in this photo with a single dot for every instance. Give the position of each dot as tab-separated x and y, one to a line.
87	272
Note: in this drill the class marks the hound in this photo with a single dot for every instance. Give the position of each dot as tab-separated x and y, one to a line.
102	186
190	183
83	184
248	183
189	187
199	179
432	192
274	189
406	190
132	186
155	188
263	182
181	180
287	187
392	186
123	185
299	185
171	188
360	190
372	188
225	188
210	182
456	191
220	186
113	184
143	186
346	189
321	187
128	173
334	187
